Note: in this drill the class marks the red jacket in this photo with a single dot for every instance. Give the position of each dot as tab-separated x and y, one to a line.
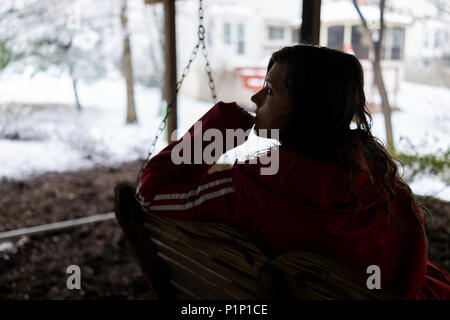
305	206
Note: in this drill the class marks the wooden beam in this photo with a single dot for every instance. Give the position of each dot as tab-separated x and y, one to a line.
56	226
310	30
170	58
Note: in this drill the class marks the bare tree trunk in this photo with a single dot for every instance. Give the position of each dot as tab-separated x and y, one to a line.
385	104
75	88
75	91
156	64
376	46
170	61
127	67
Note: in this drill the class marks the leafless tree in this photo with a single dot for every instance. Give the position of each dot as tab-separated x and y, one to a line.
376	45
127	66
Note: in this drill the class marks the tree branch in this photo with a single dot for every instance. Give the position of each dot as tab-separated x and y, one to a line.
382	26
365	25
363	19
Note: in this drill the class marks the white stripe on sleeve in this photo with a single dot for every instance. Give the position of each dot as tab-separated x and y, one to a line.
169	196
191	204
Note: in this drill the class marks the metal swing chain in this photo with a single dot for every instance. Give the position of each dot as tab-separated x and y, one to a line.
201	41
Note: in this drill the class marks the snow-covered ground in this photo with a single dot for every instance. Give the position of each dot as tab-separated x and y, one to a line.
55	137
422	125
58	138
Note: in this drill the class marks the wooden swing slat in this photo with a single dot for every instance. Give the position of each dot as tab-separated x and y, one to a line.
243	284
227	255
203	288
183	293
225	285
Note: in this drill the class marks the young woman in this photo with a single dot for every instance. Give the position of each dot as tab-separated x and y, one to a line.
337	191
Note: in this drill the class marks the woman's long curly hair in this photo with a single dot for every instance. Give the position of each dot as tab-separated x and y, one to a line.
327	90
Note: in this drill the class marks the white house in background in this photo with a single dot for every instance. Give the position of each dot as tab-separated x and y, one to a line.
429	35
242	36
341	29
427	45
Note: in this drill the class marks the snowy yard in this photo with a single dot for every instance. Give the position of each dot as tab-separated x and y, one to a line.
46	133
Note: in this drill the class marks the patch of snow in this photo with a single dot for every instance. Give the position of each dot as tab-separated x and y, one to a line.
431	185
422	121
7	246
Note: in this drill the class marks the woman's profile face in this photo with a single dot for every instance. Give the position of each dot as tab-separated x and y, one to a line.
273	104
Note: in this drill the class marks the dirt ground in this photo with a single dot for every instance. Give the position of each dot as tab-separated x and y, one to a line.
36	269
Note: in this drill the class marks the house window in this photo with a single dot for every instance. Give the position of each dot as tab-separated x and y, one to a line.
360	42
397	43
336	37
227	33
240	39
440	38
275	33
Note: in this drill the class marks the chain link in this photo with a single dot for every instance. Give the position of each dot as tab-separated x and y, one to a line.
201	42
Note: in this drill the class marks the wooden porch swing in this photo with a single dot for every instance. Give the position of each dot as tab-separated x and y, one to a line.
215	260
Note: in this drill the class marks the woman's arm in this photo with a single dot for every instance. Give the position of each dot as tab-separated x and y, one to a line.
186	190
